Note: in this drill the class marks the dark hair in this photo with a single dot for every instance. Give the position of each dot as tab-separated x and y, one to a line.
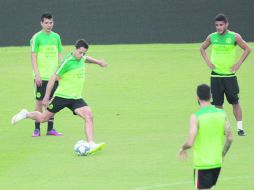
47	16
204	92
81	43
221	17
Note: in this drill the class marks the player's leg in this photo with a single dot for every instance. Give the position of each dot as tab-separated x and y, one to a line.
80	108
55	106
217	90
232	91
237	111
86	113
40	117
51	130
37	129
34	115
39	94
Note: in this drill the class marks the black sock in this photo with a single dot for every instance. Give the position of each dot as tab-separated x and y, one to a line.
50	124
37	125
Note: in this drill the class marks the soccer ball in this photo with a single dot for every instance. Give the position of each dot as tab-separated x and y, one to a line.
81	148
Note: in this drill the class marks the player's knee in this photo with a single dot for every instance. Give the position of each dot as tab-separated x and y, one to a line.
38	106
88	114
40	120
43	118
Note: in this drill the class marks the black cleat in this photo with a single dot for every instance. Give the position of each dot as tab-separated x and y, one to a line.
241	133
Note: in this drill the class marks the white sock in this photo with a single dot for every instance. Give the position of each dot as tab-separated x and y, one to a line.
239	125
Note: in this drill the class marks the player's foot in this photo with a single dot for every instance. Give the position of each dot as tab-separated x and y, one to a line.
36	133
19	116
95	147
241	132
53	132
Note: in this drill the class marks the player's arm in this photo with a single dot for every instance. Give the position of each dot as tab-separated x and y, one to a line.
60	49
102	63
49	88
60	57
38	80
34	49
34	63
203	48
191	137
229	138
245	54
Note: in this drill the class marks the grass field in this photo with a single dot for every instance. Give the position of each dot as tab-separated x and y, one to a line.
141	103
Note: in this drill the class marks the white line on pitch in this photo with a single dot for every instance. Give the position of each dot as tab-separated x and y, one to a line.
189	182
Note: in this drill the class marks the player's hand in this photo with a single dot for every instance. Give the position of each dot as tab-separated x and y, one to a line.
235	67
210	65
45	101
38	80
183	154
103	63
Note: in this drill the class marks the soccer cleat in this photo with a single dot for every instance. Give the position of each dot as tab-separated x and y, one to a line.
95	147
36	133
19	116
241	132
53	132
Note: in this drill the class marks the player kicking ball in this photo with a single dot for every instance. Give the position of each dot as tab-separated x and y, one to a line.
71	76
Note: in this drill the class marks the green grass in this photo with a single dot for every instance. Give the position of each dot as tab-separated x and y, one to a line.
141	103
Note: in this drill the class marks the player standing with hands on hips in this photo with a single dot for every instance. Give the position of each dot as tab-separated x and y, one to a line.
224	66
71	76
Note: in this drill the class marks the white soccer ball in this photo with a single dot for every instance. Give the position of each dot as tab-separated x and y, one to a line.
81	148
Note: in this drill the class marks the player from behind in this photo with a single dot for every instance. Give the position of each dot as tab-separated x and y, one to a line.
224	67
45	55
208	128
71	77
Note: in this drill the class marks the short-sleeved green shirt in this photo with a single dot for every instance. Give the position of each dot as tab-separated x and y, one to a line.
47	47
72	76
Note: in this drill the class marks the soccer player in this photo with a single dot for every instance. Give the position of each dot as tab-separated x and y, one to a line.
224	66
208	128
45	55
71	77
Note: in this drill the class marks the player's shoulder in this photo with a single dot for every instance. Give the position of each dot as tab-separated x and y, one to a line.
237	35
67	59
231	32
65	63
208	110
55	34
220	112
210	36
194	116
36	35
213	34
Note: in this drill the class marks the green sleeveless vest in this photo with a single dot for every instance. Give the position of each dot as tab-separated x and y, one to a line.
209	142
223	52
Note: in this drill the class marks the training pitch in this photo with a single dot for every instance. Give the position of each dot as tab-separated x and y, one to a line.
141	104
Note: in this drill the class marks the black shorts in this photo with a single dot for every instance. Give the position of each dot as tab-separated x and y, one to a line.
224	85
41	90
58	103
205	179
